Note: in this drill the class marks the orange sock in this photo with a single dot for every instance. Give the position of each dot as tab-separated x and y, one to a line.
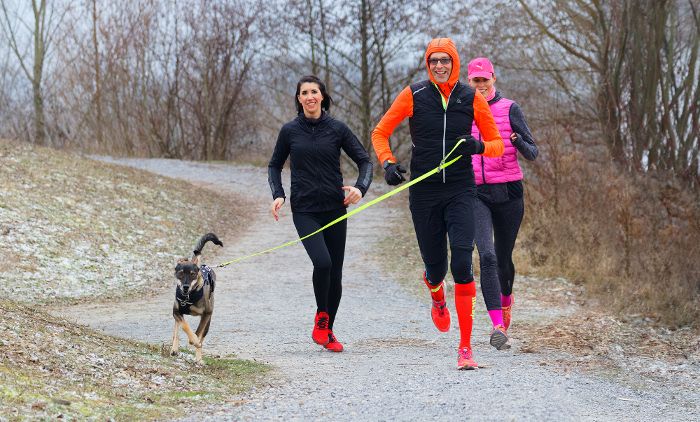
436	292
465	298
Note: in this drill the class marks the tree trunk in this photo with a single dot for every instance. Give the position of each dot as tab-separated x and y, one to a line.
365	86
38	69
97	98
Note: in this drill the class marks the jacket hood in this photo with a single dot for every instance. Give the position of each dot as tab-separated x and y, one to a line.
444	45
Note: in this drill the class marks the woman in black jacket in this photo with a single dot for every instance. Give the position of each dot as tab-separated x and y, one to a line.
313	141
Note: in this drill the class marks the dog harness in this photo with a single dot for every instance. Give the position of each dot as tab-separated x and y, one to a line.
185	300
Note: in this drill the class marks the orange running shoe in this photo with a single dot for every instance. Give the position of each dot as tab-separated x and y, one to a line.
320	332
439	311
333	344
465	359
506	313
499	338
441	316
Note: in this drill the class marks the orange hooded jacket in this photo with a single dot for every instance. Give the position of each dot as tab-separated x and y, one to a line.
402	108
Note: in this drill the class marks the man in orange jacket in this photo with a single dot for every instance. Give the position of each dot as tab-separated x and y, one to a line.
441	111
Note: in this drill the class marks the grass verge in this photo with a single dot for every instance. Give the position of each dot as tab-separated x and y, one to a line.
53	369
75	229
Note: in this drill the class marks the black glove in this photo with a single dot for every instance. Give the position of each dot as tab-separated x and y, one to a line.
393	173
471	145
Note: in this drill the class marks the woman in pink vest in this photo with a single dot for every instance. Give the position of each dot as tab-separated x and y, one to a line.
499	208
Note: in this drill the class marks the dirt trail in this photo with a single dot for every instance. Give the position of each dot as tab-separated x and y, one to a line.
395	367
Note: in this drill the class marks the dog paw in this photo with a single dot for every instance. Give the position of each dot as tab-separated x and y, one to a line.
174	352
198	358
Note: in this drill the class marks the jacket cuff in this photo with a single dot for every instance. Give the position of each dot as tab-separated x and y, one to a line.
362	190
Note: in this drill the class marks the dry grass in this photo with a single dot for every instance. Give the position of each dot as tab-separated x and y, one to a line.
634	242
52	369
635	350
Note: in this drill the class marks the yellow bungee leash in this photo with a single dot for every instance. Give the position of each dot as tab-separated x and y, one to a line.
443	164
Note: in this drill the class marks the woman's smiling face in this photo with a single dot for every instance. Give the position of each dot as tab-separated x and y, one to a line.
310	98
483	85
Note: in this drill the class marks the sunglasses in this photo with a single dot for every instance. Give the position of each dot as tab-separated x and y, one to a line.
442	60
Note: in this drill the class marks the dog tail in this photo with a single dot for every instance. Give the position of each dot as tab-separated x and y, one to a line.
209	237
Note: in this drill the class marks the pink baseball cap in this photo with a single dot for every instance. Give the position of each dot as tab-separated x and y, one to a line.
480	67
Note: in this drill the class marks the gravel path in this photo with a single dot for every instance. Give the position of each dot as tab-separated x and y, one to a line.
396	365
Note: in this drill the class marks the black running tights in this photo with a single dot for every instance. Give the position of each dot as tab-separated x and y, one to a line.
497	227
327	251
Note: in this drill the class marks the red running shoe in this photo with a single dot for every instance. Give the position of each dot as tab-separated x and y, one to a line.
439	311
506	313
333	344
465	359
321	331
441	316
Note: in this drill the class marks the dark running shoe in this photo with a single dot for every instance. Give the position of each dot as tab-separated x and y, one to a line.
499	338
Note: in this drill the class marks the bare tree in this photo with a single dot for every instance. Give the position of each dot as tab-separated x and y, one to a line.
638	62
8	87
41	31
97	97
217	69
365	50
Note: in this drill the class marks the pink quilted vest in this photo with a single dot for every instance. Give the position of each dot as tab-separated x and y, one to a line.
504	168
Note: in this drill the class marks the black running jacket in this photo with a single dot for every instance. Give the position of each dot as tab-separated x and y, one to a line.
313	147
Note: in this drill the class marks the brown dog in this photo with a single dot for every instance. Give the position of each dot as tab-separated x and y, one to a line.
194	296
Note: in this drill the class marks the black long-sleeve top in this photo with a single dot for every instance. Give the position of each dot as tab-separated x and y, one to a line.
313	146
524	142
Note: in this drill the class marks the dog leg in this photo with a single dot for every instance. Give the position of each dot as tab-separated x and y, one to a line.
201	332
203	327
175	349
198	355
190	335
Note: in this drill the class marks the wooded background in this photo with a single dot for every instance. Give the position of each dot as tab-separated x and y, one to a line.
610	88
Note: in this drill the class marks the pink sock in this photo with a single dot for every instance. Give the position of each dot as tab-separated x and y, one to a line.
506	300
496	317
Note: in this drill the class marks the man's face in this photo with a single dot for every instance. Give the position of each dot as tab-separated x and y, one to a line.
440	65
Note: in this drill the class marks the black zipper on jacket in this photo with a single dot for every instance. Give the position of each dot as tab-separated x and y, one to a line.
315	149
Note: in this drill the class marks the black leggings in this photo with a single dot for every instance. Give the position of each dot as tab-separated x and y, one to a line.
438	215
327	251
497	227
